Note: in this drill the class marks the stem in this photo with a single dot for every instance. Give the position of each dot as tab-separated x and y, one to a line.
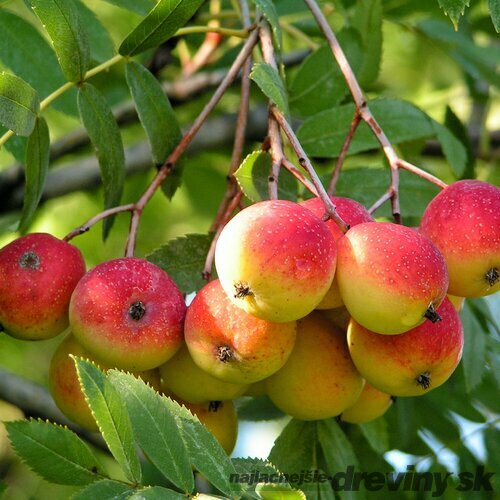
421	173
277	153
299	176
231	207
100	216
169	163
306	164
386	196
343	152
240	132
361	104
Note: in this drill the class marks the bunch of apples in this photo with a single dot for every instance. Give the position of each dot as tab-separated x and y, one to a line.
325	323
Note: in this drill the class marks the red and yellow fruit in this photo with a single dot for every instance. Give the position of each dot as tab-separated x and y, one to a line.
371	404
129	313
463	221
319	380
276	260
412	363
229	343
38	274
391	278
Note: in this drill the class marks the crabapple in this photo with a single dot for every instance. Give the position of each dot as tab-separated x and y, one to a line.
371	404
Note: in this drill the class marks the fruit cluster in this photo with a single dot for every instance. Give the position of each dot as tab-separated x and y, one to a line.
290	285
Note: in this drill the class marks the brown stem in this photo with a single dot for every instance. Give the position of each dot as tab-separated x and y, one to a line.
233	204
169	163
277	154
361	105
421	173
306	164
343	152
299	176
241	127
386	196
97	218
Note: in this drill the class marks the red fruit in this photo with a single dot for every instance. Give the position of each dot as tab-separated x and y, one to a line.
463	221
232	345
129	313
38	274
276	260
390	276
411	363
352	213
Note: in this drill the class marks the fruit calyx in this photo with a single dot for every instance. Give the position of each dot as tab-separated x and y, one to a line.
224	353
214	406
492	276
432	315
137	310
242	290
424	380
29	260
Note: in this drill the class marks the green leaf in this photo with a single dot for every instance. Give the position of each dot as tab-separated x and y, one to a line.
453	149
319	84
183	259
454	9
205	452
24	51
257	409
458	129
494	6
367	20
336	447
376	434
159	25
253	174
366	185
103	490
474	348
19	104
61	20
154	110
55	453
36	167
141	7
271	85
295	448
107	141
100	43
174	180
156	493
269	11
270	491
155	429
323	134
114	423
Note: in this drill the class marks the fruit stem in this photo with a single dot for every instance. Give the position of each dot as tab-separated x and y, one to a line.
421	173
356	119
299	176
306	164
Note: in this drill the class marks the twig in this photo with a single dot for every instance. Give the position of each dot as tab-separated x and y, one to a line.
421	173
97	218
361	104
277	154
36	401
240	131
299	176
170	162
306	164
386	196
343	152
231	207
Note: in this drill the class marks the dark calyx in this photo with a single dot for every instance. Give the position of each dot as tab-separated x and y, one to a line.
241	290
214	405
432	315
492	276
29	260
224	353
424	380
137	310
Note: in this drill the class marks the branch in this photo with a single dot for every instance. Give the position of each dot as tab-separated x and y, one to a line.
36	401
306	164
299	176
343	152
361	104
166	169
